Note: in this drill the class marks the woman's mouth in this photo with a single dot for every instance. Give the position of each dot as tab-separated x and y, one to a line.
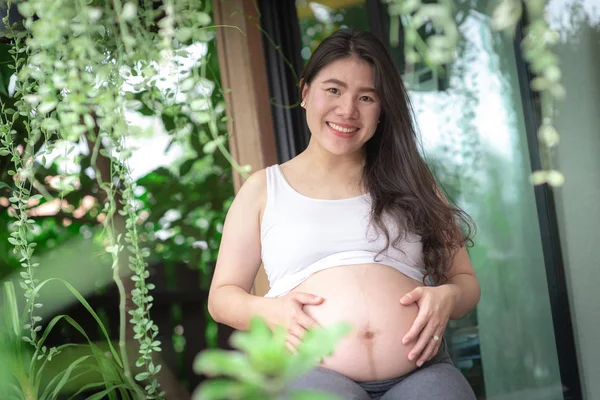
342	131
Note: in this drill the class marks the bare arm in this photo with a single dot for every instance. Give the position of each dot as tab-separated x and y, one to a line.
463	282
229	298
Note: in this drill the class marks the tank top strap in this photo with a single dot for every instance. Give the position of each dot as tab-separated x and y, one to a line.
275	187
274	184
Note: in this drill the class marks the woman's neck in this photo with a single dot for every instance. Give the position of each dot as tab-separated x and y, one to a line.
325	163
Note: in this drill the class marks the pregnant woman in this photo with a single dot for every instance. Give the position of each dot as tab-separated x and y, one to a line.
354	229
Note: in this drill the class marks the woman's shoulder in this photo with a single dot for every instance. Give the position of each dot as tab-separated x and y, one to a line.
255	184
250	200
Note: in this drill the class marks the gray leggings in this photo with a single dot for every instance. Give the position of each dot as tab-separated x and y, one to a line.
437	379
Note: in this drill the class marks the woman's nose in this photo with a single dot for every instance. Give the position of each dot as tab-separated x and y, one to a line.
347	108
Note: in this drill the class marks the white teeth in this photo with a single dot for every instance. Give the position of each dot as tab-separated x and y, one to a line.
339	128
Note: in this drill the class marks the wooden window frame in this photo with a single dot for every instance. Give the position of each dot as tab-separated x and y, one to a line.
244	79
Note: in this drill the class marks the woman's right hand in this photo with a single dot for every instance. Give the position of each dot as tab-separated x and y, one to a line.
291	315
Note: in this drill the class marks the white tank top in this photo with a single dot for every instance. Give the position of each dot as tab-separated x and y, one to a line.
301	235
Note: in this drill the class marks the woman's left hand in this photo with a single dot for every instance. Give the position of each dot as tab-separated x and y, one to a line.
435	307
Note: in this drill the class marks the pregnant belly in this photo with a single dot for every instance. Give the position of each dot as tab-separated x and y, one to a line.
367	297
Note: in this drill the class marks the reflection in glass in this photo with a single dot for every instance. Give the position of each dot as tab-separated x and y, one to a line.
319	19
474	137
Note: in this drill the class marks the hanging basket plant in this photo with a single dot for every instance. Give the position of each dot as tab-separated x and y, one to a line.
72	73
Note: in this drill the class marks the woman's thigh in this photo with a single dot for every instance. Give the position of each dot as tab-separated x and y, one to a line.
326	380
440	381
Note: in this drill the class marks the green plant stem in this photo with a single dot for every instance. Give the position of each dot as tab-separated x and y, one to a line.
28	390
122	25
24	173
116	277
122	323
214	133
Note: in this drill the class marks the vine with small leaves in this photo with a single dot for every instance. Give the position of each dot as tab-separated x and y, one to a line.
76	59
19	237
23	176
440	48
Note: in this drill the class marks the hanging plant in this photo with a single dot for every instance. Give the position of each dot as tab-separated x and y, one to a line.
80	67
440	48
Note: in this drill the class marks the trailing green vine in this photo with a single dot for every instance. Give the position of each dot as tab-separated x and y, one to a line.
22	177
73	61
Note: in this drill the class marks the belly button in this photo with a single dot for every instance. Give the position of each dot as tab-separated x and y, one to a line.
369	334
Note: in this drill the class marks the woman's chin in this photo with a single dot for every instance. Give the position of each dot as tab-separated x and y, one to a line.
342	147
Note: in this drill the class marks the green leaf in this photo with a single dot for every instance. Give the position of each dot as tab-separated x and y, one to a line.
168	122
298	365
142	376
39	372
224	389
317	343
259	335
266	350
202	117
233	364
49	328
129	11
51	124
63	377
107	367
87	306
47	106
16	389
183	35
4	78
186	166
321	341
211	147
195	141
26	9
102	394
84	370
313	395
11	316
203	18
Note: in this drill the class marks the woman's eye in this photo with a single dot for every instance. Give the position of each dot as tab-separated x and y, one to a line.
367	99
333	90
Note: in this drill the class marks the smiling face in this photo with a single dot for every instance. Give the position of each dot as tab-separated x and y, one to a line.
342	107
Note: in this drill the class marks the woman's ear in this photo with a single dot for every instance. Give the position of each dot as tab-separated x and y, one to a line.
304	91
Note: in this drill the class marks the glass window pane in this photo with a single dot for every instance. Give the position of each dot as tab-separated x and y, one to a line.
319	19
473	131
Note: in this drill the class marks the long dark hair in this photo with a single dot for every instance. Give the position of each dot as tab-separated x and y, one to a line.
395	175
